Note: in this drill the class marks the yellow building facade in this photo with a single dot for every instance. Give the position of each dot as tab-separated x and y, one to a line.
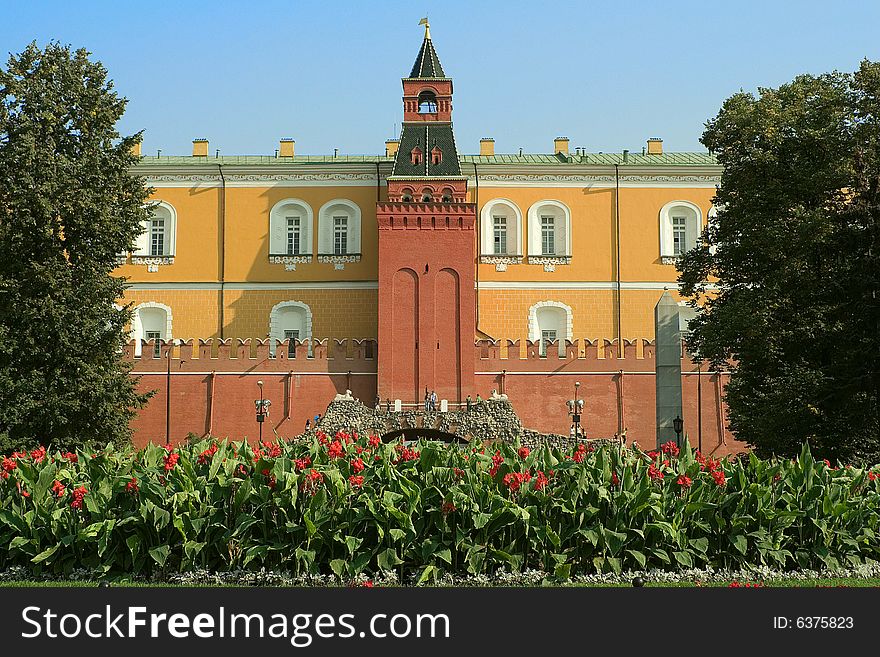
209	264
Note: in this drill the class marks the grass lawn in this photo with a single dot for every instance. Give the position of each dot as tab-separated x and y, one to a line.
775	583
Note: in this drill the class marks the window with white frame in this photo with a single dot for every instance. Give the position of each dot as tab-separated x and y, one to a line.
294	235
150	321
680	223
547	336
290	320
290	229
291	335
499	244
339	229
548	235
550	230
340	235
550	321
157	239
157	344
501	229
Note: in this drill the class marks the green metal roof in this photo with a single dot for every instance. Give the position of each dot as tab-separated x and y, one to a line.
427	136
427	64
589	159
266	160
598	159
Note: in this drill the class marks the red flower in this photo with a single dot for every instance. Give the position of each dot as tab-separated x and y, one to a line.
653	454
270	480
712	464
9	464
241	471
447	508
78	495
872	476
684	481
367	585
497	460
208	454
357	465
356	481
58	488
311	481
655	473
513	480
373	441
523	453
458	472
580	453
406	454
670	448
273	450
335	450
171	460
70	456
541	480
303	463
39	454
614	479
358	449
167	448
718	476
132	486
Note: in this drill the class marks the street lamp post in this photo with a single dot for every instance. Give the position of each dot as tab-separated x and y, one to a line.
678	425
575	406
262	405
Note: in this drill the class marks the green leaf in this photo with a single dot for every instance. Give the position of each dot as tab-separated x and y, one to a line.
740	543
160	554
45	554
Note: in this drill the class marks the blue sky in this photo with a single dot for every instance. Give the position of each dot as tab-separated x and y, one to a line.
606	74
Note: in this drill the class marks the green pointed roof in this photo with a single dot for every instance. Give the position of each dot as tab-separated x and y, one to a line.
427	63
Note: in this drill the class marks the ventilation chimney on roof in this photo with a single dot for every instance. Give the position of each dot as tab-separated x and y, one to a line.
487	146
560	145
286	147
200	148
655	146
391	146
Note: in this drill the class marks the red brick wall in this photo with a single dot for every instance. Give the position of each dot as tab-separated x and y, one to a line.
301	388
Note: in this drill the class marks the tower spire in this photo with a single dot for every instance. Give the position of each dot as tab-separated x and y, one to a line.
424	22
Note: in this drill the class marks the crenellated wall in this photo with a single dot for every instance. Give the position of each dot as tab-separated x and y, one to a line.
214	385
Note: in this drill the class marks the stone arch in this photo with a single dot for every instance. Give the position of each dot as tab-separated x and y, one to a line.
563	324
146	317
277	324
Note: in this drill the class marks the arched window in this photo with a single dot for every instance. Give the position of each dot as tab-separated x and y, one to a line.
159	235
427	195
549	230
447	195
427	102
339	228
680	223
550	321
501	228
150	321
406	195
290	320
290	228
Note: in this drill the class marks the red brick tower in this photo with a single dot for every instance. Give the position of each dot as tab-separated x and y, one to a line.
426	250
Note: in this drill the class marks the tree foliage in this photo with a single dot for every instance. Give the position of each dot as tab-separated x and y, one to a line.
68	207
794	254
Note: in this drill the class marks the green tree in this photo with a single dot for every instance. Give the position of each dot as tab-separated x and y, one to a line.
794	254
68	207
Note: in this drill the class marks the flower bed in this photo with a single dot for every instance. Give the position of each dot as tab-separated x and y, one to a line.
352	506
